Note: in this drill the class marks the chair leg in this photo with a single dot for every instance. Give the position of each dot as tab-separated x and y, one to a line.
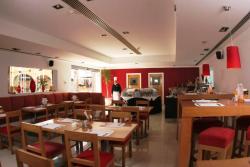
235	142
199	157
123	156
1	145
229	152
130	148
222	155
10	144
148	122
246	149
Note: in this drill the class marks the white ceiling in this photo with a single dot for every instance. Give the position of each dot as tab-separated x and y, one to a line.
33	25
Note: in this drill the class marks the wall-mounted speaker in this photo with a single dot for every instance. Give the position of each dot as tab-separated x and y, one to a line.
219	55
51	63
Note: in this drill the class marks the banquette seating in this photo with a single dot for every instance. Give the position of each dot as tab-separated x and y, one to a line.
13	103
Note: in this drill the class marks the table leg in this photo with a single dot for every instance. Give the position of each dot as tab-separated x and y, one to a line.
184	142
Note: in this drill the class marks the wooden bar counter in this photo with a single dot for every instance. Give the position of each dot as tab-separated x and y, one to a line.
190	111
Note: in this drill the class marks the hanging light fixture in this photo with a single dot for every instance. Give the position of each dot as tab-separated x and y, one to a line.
233	56
205	70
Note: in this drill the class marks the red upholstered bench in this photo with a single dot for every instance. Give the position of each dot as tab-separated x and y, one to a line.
216	139
247	142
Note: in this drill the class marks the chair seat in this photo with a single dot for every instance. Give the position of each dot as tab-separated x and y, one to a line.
243	122
248	134
202	124
13	129
105	158
216	137
51	148
143	116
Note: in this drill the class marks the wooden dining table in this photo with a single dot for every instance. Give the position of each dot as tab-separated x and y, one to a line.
229	108
117	133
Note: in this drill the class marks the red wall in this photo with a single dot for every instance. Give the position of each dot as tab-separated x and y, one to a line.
172	77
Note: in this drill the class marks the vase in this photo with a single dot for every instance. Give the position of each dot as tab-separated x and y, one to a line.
43	88
18	89
32	86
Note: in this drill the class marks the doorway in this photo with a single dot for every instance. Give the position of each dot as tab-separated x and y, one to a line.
156	80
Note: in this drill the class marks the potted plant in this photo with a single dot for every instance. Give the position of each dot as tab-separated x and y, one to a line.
106	76
43	83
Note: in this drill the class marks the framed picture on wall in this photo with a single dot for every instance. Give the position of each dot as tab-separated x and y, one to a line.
133	80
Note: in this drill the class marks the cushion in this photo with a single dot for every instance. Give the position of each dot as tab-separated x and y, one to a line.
248	133
243	122
51	148
105	157
202	124
38	98
3	130
66	96
216	137
29	100
51	98
17	102
5	102
58	97
97	98
83	96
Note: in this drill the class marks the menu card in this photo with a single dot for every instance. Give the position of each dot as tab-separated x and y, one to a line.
208	104
101	132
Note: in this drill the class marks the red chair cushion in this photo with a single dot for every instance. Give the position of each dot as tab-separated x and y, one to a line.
202	124
105	158
248	133
143	116
3	130
51	148
243	122
217	137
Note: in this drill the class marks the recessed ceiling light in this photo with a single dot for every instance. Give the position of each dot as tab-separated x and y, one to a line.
206	49
58	6
125	32
15	49
204	42
202	54
124	49
131	53
89	0
38	53
226	8
104	35
136	62
223	29
82	62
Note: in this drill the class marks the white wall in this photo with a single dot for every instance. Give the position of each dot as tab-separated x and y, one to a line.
227	79
7	58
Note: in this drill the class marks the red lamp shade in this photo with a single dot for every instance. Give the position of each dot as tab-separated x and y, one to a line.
233	57
205	70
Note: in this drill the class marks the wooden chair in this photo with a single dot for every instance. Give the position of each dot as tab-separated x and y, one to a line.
44	148
61	110
118	102
90	157
124	117
11	129
144	116
98	112
24	157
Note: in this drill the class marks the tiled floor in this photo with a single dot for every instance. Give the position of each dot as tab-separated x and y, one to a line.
157	150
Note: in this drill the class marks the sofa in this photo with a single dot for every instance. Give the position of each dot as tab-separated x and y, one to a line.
12	103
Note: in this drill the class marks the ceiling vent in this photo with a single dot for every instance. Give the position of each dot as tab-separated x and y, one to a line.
75	4
223	29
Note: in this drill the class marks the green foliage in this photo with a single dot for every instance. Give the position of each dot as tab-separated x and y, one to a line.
106	74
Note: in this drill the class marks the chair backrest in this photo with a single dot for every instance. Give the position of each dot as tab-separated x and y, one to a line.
98	110
122	116
24	157
118	102
62	107
13	116
142	103
81	113
80	136
36	130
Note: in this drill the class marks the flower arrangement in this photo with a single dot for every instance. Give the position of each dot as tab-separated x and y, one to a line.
43	83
